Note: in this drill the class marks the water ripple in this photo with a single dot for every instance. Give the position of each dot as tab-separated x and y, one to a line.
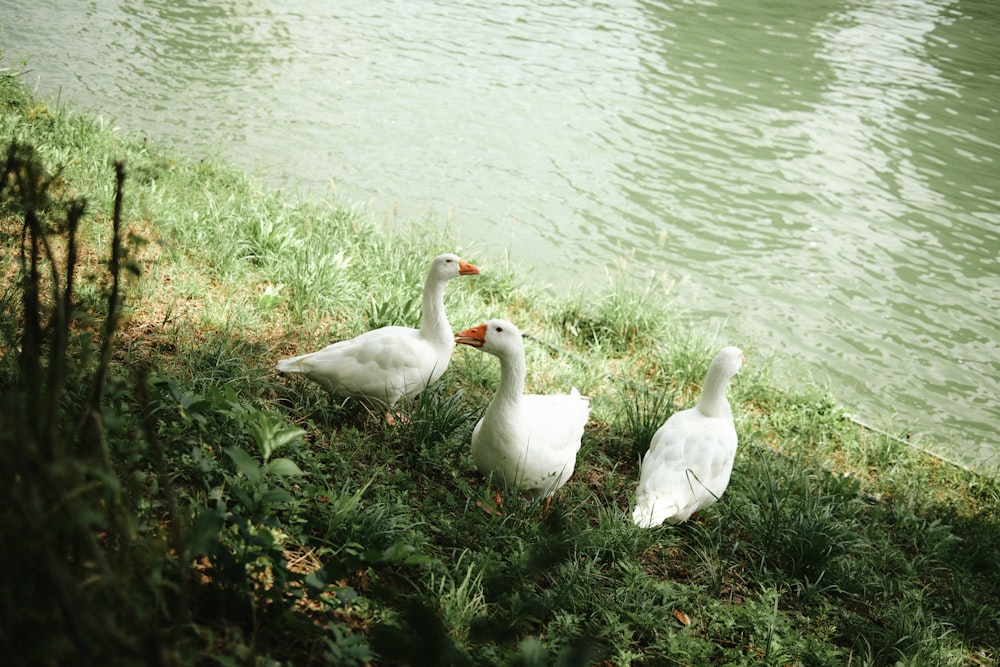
821	179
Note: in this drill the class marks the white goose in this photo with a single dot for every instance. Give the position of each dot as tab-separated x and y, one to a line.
387	364
690	457
528	440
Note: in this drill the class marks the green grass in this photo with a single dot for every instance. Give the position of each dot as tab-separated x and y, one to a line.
206	510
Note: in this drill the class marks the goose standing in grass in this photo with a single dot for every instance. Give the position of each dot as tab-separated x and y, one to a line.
530	441
387	364
690	457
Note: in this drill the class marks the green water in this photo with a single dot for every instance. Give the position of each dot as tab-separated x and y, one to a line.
813	180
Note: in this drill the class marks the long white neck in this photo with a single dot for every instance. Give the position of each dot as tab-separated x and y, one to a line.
512	375
713	401
433	321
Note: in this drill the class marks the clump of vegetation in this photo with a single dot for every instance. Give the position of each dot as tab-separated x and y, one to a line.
623	320
73	551
168	499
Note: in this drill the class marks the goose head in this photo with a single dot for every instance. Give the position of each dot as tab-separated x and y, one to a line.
447	266
728	361
724	366
497	337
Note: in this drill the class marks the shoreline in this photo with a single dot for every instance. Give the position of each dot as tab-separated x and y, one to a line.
243	513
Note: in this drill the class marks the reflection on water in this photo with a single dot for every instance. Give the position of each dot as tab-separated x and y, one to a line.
815	179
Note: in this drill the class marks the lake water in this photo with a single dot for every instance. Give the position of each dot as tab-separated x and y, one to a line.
818	178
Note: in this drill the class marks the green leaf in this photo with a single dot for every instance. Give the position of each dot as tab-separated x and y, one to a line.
245	463
400	552
244	498
286	436
317	581
272	434
273	497
283	468
204	532
397	552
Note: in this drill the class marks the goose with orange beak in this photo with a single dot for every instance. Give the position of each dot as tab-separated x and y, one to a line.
385	365
526	441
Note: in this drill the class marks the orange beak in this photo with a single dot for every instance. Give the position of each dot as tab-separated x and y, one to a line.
466	269
474	337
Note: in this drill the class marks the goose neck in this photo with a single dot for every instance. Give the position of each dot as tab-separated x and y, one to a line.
713	395
433	320
512	375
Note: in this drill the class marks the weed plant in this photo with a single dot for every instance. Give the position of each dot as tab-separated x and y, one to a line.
643	412
167	498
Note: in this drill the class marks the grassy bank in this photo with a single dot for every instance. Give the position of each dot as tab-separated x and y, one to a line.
169	499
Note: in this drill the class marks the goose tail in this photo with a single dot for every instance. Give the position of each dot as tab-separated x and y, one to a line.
292	364
650	511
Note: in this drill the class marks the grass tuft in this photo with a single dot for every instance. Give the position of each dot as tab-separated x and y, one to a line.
643	410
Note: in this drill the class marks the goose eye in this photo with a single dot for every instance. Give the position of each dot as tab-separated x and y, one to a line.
499	329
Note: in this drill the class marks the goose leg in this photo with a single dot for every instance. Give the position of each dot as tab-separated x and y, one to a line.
497	508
